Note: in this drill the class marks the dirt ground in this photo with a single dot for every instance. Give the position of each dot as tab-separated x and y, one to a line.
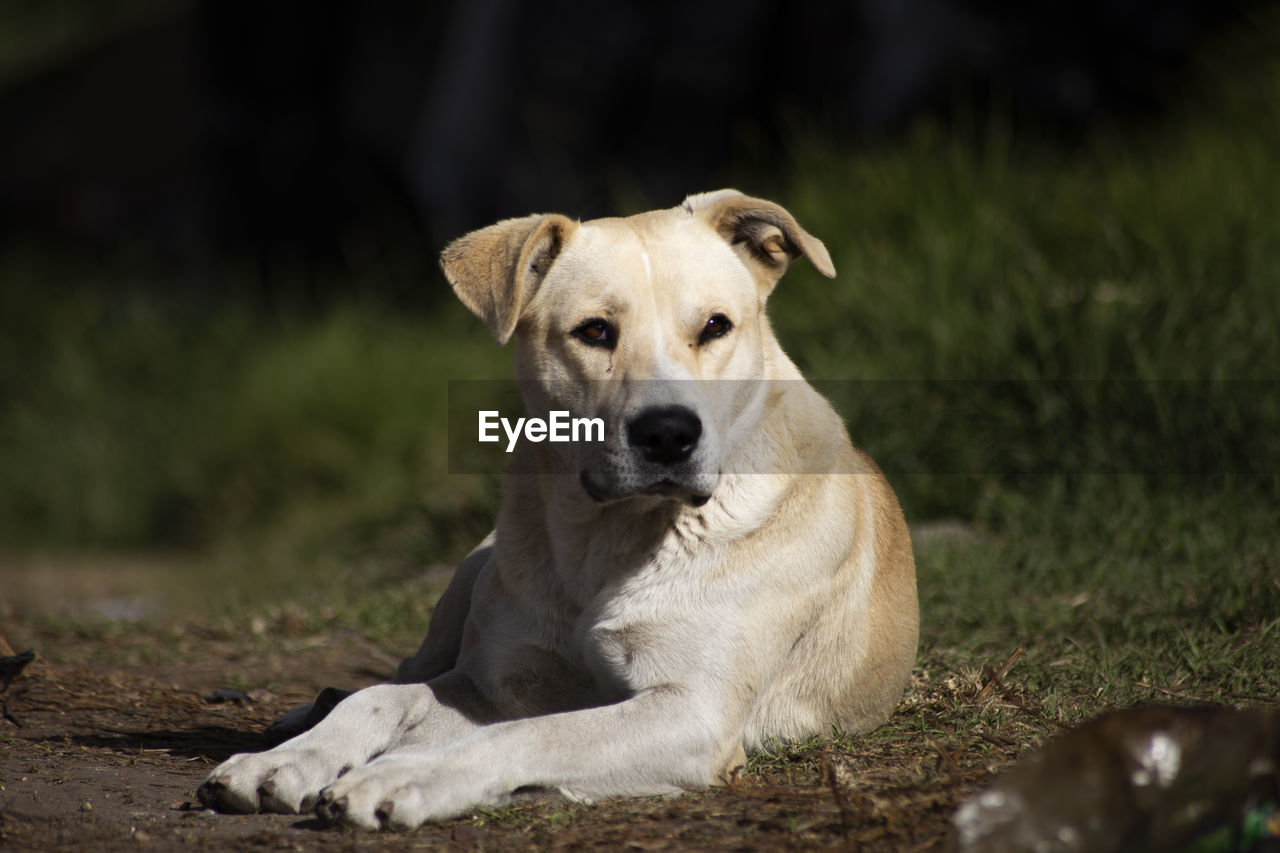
108	758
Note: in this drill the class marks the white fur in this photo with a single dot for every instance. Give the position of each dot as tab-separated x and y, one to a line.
633	643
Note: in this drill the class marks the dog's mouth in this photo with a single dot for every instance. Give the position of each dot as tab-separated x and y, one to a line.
665	488
672	489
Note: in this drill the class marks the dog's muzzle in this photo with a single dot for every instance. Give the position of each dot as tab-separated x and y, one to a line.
659	456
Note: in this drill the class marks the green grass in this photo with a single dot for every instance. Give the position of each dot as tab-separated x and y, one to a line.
1153	260
300	453
134	421
1138	593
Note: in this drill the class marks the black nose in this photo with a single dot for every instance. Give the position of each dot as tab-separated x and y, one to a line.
665	435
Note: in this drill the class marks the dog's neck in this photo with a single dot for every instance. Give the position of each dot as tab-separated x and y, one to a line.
584	546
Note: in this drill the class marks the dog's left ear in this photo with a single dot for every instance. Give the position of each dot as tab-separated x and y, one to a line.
766	236
495	271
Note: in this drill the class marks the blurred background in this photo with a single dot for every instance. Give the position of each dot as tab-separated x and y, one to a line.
305	131
225	344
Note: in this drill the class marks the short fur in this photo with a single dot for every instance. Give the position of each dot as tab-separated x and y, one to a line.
631	628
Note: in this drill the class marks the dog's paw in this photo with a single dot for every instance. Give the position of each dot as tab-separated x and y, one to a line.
400	792
285	781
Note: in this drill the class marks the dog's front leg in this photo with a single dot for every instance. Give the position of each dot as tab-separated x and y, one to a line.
288	779
661	741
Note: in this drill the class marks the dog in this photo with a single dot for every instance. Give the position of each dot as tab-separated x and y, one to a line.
723	568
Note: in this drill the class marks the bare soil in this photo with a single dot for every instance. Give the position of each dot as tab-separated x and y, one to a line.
108	758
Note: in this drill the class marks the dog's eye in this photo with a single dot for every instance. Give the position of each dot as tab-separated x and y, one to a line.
717	327
597	333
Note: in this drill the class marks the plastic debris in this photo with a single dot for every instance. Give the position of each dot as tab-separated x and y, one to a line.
1155	778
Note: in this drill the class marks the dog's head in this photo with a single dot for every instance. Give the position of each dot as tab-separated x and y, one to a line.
654	323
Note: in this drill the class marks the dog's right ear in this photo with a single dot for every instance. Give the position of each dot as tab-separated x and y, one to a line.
495	271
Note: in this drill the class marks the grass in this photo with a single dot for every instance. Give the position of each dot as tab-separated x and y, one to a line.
300	454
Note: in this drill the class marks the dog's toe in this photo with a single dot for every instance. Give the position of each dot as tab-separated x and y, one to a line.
219	792
285	789
361	801
402	811
285	782
338	810
273	798
342	811
330	808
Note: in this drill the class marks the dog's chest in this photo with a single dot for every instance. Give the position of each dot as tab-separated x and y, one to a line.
604	620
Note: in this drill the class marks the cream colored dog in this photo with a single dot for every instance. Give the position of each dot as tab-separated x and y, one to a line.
723	569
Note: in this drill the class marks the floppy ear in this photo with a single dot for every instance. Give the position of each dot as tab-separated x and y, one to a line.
766	236
495	271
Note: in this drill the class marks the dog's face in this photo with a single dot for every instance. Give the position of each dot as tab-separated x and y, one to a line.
654	324
634	324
